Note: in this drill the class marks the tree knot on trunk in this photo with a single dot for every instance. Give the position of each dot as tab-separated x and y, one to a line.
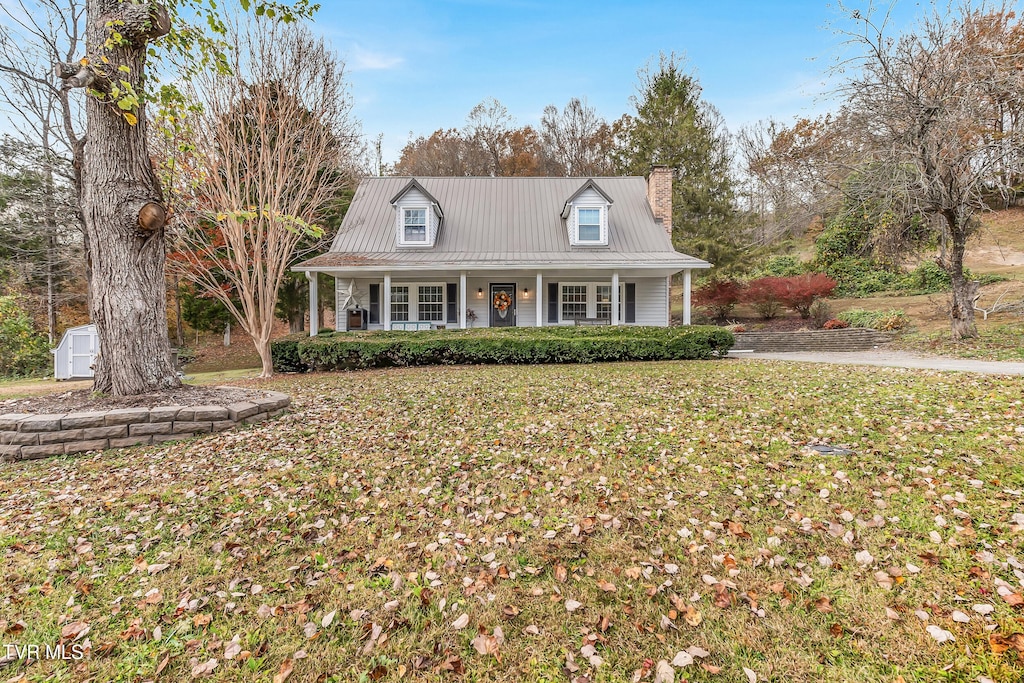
152	217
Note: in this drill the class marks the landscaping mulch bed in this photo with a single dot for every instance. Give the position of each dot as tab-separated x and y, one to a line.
86	400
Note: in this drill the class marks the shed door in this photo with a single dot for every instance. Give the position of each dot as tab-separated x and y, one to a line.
81	354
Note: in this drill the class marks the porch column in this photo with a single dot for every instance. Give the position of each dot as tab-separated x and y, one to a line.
314	303
462	300
339	305
540	299
387	302
686	296
615	297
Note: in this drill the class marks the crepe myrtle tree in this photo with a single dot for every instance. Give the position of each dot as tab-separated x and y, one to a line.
123	206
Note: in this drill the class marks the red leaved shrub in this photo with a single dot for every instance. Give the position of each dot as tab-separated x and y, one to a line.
835	324
763	296
800	291
719	297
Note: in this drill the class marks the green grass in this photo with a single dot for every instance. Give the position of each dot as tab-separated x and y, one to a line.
1000	342
382	496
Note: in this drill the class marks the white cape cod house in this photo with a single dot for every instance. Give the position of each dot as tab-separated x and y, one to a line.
422	253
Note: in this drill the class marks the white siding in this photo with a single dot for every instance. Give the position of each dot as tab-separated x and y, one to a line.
651	301
415	199
651	297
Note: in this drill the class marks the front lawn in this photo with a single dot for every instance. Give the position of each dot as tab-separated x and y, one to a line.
1004	341
543	523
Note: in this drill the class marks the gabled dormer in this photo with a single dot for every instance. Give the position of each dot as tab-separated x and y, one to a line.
418	216
586	216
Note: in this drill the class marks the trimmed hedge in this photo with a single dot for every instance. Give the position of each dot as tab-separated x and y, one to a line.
515	346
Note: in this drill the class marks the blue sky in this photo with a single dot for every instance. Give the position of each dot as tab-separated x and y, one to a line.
416	65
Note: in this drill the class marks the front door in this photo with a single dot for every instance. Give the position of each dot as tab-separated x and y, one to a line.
503	305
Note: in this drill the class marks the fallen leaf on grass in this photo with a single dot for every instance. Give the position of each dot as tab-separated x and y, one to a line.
232	649
489	644
606	586
328	619
572	605
692	616
285	671
751	675
940	634
74	630
462	622
664	673
682	659
1000	644
205	669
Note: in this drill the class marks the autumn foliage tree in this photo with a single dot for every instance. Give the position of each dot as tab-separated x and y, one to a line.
274	144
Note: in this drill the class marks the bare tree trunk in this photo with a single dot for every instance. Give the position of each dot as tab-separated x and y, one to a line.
961	310
296	321
123	211
266	362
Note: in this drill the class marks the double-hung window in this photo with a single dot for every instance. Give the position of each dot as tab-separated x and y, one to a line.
588	225
414	226
399	302
604	302
574	302
431	303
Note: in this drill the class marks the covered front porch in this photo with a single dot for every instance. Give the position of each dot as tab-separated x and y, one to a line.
413	299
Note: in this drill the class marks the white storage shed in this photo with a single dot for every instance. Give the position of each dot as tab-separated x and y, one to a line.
75	355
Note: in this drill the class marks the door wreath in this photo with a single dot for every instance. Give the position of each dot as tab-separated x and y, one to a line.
501	302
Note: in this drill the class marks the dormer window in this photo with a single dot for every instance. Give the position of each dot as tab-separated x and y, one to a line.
588	225
414	226
418	216
586	216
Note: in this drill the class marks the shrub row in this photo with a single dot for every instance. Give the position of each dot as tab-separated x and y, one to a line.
767	294
516	346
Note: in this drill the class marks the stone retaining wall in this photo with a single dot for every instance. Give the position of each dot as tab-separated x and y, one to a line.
852	339
28	437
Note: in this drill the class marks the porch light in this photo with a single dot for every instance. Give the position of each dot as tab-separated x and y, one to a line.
526	292
480	291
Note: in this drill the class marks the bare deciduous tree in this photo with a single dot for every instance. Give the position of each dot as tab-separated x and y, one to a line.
34	35
577	140
923	106
274	145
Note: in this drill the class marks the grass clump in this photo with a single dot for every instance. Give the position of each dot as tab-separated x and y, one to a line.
891	320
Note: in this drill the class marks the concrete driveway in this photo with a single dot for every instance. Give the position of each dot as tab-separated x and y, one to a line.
892	359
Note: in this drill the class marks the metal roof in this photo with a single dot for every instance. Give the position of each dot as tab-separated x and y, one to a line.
501	221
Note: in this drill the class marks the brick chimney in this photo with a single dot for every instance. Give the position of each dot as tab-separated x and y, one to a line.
659	195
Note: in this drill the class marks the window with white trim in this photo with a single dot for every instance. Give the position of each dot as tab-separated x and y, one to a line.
399	302
431	303
588	225
604	301
574	302
414	226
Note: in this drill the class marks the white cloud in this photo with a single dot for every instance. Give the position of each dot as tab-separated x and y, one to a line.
361	59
